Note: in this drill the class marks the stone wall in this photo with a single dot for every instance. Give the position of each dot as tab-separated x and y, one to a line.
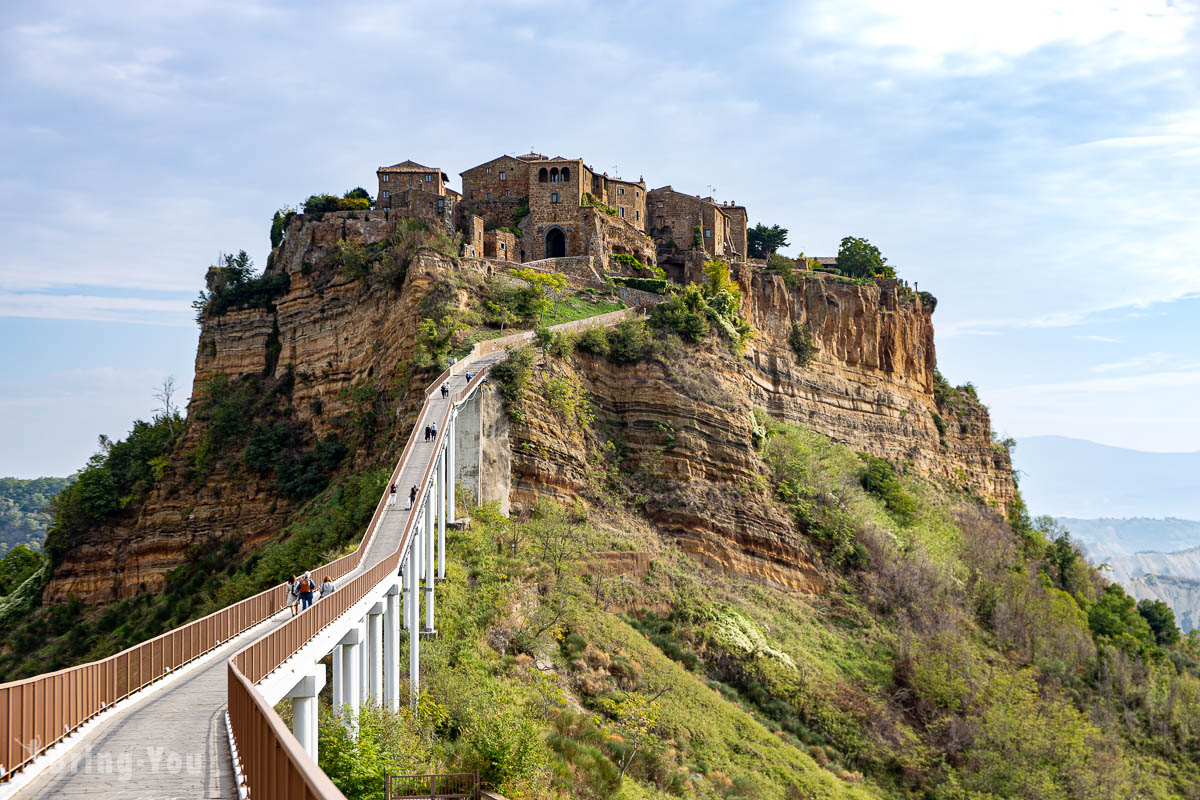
501	245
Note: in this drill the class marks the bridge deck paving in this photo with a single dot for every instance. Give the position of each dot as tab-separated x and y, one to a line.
173	743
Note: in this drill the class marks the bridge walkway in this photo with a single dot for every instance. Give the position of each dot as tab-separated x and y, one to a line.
173	742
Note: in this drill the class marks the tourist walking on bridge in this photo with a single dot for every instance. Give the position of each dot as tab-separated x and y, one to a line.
412	497
293	595
391	496
445	391
327	587
307	587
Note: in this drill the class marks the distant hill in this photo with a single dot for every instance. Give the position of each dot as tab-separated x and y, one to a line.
1106	539
22	510
1077	478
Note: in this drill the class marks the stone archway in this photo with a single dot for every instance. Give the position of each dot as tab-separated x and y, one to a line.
556	243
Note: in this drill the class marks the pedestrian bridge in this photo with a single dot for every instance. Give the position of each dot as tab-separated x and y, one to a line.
190	714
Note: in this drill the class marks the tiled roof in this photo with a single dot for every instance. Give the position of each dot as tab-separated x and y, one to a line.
407	166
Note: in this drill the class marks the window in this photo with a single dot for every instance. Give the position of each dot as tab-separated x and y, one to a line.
554	197
621	212
637	194
566	174
708	234
503	176
503	246
441	205
620	190
489	195
428	178
507	193
487	170
554	174
410	180
637	215
386	195
662	221
385	178
543	175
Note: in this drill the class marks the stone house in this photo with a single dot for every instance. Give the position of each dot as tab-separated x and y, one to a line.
418	192
694	222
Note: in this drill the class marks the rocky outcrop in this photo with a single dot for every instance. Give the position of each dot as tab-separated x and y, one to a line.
330	334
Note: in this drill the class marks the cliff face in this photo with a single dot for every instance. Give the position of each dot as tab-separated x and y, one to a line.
685	422
333	334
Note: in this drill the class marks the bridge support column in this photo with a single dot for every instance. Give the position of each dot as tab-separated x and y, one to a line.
405	597
335	660
414	634
304	709
451	482
375	654
351	669
364	661
430	508
443	488
391	650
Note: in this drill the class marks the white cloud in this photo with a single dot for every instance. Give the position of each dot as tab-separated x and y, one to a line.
1093	337
1141	362
176	313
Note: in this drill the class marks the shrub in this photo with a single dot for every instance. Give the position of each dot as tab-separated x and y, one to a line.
231	287
686	314
512	376
858	258
351	201
879	478
594	340
628	341
279	225
801	340
656	285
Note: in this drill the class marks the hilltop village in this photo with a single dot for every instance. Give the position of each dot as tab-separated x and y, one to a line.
530	207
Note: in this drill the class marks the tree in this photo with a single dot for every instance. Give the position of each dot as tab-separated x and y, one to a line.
763	241
541	286
634	719
357	193
1161	619
858	258
167	409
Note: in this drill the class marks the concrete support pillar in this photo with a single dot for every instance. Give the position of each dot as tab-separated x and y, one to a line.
304	709
451	482
391	650
406	598
414	635
351	645
430	534
336	661
364	662
443	488
375	653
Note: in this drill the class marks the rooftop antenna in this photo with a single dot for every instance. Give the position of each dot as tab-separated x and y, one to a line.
712	190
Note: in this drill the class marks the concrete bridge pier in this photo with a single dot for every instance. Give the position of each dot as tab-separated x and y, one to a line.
430	534
391	649
414	627
349	673
375	653
304	709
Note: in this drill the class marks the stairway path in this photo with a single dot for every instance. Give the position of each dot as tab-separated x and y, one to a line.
173	743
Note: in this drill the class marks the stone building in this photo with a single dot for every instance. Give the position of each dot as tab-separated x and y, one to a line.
572	210
418	192
689	221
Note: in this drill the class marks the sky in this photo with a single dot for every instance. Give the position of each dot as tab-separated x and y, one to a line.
1034	164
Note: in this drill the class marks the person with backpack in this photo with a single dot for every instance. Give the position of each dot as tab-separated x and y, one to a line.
327	587
391	496
306	588
412	497
293	595
445	391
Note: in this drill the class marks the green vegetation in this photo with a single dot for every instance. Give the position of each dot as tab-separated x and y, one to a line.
801	340
354	200
511	376
119	473
632	262
279	225
386	263
858	258
23	510
699	307
520	214
18	566
763	241
233	286
590	201
656	285
540	286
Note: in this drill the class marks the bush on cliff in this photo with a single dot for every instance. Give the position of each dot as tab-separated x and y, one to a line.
858	258
353	200
698	307
233	286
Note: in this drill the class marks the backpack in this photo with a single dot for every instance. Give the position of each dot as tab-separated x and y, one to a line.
306	586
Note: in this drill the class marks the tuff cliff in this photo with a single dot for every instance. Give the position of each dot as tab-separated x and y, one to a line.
685	421
334	356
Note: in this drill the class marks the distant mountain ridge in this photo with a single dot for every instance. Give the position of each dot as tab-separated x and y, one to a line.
1077	478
